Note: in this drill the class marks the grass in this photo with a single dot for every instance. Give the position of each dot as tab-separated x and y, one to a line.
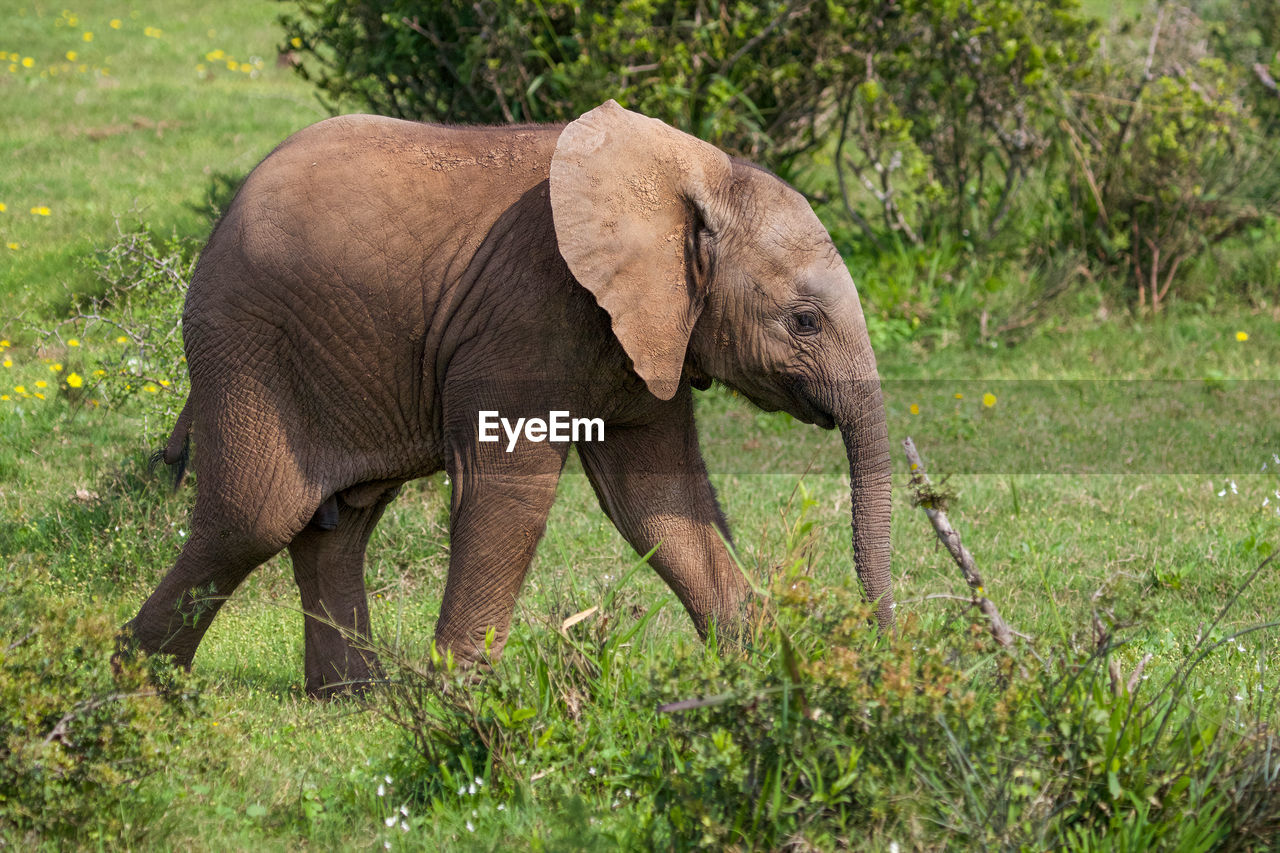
1153	534
137	125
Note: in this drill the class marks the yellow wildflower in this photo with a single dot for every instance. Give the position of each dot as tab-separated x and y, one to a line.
40	383
296	42
41	210
71	56
73	342
1242	336
8	362
39	396
4	397
27	62
164	383
21	389
5	344
3	207
13	66
99	372
56	367
214	55
115	23
232	65
87	36
959	396
74	380
988	399
149	388
122	340
12	246
915	409
153	32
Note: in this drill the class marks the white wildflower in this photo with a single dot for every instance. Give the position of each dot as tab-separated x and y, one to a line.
391	821
471	827
382	791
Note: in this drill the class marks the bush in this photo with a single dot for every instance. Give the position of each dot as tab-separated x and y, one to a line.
826	733
747	76
77	737
1247	34
1004	130
944	110
137	315
1166	159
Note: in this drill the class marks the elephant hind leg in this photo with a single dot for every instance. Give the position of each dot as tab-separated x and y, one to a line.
252	501
174	619
328	566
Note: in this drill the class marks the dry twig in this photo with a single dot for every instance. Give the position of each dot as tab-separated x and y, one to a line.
926	500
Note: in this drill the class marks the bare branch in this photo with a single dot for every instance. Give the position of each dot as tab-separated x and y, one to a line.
951	540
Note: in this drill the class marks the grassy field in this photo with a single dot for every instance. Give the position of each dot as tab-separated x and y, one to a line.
1121	468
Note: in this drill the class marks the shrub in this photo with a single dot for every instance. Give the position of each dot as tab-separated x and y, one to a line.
747	76
1166	159
137	314
76	736
944	110
1247	34
826	733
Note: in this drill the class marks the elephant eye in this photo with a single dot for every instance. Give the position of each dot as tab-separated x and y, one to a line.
806	323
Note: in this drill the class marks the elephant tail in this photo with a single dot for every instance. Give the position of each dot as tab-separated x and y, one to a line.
177	453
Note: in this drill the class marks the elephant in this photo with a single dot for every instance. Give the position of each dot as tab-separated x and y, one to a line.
377	286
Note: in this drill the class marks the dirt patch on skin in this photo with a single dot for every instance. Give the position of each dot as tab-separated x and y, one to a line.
137	124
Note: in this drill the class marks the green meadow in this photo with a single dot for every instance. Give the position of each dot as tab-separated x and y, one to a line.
1115	474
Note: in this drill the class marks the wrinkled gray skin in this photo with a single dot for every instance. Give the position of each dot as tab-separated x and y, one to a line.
377	282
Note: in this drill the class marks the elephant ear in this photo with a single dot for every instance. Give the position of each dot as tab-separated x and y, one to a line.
626	193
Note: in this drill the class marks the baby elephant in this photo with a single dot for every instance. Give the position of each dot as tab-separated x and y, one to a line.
385	299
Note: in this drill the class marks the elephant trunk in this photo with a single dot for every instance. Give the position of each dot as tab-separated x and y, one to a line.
866	441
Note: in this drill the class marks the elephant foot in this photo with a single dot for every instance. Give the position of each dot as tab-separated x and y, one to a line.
323	691
351	675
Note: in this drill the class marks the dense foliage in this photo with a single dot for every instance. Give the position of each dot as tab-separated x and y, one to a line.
997	130
748	76
77	733
825	731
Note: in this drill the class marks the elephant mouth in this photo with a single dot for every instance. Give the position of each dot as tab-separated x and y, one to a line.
805	408
797	404
819	417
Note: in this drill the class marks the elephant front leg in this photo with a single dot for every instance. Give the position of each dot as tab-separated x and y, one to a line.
652	483
499	513
328	566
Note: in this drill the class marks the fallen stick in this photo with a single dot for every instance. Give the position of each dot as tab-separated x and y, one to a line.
927	501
